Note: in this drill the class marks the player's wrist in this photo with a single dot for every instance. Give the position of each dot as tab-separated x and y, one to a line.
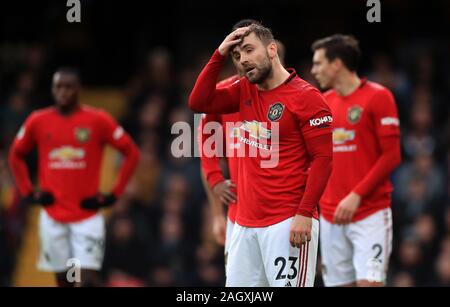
305	213
214	180
220	53
43	198
356	194
98	201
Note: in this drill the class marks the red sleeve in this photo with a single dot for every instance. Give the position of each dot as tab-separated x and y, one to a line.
315	120
114	135
387	129
314	115
21	146
209	157
320	149
206	98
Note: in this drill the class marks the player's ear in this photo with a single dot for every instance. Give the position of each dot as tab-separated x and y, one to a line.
337	64
272	50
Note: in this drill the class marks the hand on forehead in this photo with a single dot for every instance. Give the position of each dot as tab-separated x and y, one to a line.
247	38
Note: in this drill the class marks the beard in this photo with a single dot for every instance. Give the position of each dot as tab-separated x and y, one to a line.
260	73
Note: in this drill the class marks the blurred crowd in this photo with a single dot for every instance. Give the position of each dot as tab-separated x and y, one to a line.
159	233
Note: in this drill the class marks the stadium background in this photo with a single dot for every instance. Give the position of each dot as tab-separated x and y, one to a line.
139	61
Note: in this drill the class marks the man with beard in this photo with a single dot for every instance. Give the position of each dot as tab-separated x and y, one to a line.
222	192
285	134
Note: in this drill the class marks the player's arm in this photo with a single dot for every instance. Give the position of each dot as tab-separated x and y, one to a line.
24	142
209	159
387	129
218	215
318	141
205	97
114	135
212	176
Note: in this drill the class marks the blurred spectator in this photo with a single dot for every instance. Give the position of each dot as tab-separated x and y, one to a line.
403	279
125	252
442	269
418	139
410	259
12	115
396	80
419	189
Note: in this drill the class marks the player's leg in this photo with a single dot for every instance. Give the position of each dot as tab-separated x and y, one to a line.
54	248
336	253
372	241
287	266
88	244
230	226
244	264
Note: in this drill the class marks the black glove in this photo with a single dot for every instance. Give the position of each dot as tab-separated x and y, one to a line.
98	201
42	198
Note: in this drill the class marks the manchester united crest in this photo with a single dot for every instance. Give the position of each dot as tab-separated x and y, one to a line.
82	135
354	114
275	111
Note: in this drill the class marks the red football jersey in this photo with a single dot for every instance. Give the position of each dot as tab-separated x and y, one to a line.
210	164
70	152
285	137
273	194
360	121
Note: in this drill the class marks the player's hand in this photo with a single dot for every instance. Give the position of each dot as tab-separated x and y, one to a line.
231	40
300	230
43	198
223	191
220	228
98	201
346	209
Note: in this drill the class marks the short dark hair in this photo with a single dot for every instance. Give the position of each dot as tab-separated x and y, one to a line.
344	47
69	70
244	23
262	32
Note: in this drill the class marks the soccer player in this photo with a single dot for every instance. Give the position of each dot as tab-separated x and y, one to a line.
356	220
275	238
221	191
70	139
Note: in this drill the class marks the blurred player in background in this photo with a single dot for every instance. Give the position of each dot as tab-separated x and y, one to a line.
220	191
356	219
275	238
70	139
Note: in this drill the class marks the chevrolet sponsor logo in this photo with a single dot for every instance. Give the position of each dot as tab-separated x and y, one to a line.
340	136
256	130
66	153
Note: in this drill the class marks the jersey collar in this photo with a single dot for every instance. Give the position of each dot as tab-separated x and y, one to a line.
293	73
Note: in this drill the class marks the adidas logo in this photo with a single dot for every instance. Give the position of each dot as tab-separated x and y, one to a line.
288	284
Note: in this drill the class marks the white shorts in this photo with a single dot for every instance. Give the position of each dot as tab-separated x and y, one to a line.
230	226
59	242
357	251
263	257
